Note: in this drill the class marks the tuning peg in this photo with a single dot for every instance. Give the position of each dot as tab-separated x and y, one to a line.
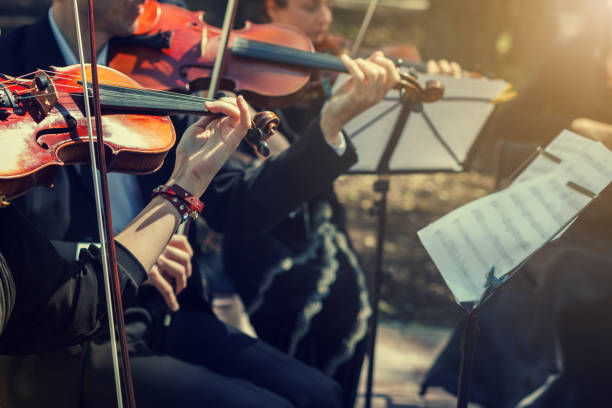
254	136
263	149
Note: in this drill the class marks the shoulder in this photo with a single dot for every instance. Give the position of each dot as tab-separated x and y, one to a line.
29	47
12	45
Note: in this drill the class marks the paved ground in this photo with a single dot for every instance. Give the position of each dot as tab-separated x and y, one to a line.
403	356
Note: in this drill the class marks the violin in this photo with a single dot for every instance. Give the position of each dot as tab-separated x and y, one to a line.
43	125
335	44
269	64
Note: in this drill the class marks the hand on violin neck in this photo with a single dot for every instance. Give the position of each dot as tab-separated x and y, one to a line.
444	67
370	81
593	129
207	144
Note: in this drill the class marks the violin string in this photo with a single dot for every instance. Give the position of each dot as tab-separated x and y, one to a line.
19	77
61	75
140	101
123	86
162	103
162	96
66	76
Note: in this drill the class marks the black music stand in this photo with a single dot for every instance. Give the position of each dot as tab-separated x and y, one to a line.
411	144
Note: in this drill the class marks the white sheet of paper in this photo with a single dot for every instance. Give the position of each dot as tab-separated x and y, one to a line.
504	229
565	146
458	122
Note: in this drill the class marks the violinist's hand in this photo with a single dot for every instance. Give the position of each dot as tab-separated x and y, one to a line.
444	67
593	129
173	265
207	144
371	79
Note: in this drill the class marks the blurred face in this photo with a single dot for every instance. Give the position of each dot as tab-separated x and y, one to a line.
116	17
313	17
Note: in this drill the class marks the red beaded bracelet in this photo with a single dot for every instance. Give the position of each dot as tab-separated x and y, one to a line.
186	204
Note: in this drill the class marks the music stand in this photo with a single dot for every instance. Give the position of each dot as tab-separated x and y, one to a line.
439	138
463	277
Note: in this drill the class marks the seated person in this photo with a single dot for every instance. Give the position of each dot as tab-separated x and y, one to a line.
49	302
198	360
301	280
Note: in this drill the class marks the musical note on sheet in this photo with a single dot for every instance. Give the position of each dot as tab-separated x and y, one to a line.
504	229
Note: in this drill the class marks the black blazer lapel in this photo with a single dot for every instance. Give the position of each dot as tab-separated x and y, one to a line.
40	48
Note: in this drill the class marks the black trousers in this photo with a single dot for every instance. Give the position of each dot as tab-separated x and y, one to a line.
200	362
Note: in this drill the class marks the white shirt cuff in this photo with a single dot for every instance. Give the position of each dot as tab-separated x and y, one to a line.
341	148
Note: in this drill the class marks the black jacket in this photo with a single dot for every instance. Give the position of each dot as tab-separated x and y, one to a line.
57	303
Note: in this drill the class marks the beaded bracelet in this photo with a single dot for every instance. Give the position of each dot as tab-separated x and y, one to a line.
186	204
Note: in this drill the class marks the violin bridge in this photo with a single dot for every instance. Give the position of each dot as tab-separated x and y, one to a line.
44	92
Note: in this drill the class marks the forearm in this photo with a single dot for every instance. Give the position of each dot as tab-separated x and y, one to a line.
147	235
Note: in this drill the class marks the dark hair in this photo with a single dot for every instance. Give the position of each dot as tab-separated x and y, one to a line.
256	10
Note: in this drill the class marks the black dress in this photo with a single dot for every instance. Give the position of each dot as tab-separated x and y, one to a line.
300	279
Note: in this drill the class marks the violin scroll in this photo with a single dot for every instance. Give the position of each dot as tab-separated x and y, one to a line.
264	125
412	91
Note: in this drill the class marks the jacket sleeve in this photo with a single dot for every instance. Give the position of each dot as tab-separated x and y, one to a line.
244	200
57	302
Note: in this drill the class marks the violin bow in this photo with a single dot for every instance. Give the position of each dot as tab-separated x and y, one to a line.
228	23
105	228
367	19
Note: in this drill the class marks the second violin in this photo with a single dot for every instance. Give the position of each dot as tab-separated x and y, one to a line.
175	50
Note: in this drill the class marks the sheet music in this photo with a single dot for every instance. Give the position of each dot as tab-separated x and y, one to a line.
481	88
458	119
502	230
565	146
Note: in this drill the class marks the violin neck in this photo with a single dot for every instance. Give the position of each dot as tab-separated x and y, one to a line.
242	47
300	58
150	101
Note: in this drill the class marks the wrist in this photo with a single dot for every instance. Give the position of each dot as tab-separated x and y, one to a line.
187	205
189	184
332	130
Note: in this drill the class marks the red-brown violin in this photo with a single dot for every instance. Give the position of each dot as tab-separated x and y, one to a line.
43	125
270	64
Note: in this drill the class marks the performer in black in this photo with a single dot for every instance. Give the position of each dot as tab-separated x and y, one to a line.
48	302
299	276
196	360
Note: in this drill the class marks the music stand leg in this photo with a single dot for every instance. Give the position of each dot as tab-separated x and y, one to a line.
469	334
380	186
